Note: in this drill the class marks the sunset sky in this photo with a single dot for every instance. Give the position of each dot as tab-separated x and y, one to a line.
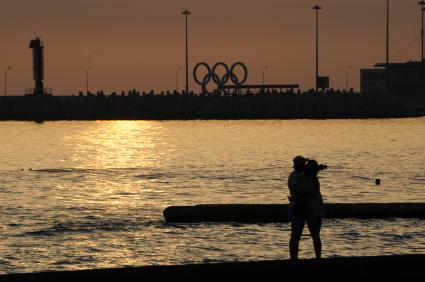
140	43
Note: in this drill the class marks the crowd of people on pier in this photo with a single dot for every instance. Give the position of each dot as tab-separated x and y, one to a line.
248	92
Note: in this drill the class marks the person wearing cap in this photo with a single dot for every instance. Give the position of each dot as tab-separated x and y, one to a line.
295	177
306	204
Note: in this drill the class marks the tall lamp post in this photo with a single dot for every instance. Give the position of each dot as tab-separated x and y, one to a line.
87	79
5	79
388	34
317	8
422	4
264	74
387	61
186	13
177	78
346	77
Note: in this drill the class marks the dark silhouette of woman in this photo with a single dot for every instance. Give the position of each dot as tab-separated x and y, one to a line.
306	206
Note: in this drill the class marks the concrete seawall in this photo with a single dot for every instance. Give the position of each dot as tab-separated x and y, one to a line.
390	268
188	107
279	213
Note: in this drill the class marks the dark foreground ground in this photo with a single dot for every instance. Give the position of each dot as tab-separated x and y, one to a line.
390	268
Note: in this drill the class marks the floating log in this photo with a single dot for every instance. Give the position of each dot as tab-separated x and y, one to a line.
279	213
389	268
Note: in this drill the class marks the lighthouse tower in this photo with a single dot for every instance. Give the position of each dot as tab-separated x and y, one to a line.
38	65
37	47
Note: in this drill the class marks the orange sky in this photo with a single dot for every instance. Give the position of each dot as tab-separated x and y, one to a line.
140	44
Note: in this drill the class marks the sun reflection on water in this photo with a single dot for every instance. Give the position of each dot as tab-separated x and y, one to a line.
117	144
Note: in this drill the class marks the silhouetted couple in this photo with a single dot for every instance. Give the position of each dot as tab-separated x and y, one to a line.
306	204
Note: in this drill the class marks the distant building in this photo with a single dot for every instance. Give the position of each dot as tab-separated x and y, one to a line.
404	79
372	81
37	47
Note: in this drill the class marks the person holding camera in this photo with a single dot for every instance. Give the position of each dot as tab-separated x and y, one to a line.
306	204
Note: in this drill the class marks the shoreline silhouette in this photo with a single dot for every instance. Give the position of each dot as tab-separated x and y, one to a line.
173	106
393	268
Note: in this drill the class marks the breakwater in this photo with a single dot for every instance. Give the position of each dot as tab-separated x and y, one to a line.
184	107
390	268
279	213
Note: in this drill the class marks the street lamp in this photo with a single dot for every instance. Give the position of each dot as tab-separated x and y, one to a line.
346	77
317	8
422	4
87	79
186	13
264	71
177	78
5	79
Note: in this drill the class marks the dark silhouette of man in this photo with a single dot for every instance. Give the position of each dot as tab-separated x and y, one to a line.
306	204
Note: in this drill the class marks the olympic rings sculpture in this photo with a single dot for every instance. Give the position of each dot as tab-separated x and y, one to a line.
220	82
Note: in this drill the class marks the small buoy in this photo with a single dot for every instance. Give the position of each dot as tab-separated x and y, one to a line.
378	182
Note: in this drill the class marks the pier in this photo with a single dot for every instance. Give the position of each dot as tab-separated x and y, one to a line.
172	106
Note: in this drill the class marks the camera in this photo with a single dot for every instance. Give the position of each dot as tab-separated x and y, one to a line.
322	167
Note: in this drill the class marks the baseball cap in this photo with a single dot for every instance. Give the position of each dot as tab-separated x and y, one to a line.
299	160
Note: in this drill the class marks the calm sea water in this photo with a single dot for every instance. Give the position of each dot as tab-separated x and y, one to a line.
96	190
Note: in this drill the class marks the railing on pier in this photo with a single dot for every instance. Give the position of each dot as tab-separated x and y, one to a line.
31	91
